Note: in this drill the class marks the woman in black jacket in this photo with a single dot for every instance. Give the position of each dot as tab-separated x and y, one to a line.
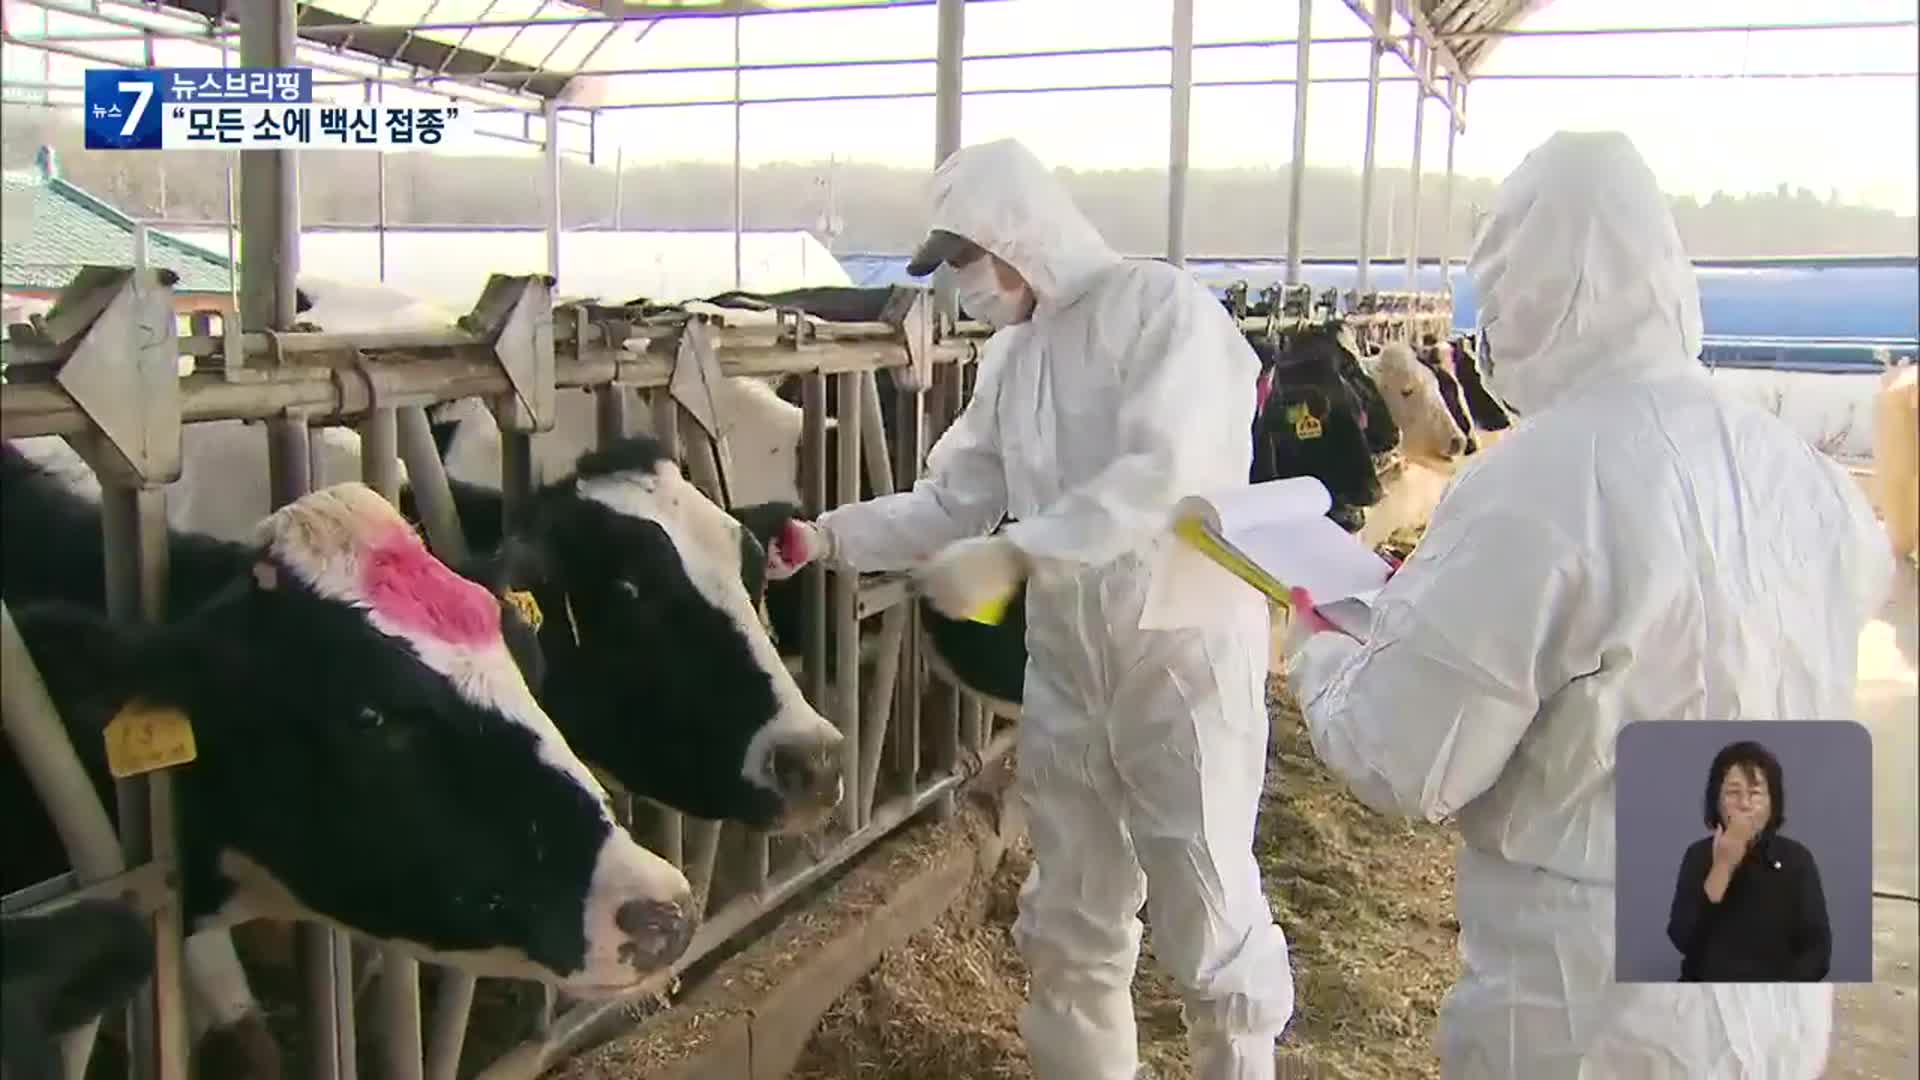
1748	906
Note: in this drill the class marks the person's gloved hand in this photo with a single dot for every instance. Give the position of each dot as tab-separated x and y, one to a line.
1303	621
970	573
799	543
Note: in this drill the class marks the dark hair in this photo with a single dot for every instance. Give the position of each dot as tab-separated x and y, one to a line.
1755	757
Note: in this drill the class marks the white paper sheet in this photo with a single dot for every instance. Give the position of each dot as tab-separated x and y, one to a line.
1281	526
1351	615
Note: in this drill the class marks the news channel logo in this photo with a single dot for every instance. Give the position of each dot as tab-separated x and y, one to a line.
249	109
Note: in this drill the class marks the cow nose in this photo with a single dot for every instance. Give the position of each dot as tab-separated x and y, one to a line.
658	932
807	774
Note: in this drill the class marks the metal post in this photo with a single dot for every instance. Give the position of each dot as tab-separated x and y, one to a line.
1381	24
619	173
948	89
845	590
400	974
1178	132
1413	212
269	261
134	524
552	111
1446	197
379	92
427	476
1295	193
738	200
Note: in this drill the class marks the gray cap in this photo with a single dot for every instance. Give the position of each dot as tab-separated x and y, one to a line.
940	246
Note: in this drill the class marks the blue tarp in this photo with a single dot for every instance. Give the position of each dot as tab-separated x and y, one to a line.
1824	314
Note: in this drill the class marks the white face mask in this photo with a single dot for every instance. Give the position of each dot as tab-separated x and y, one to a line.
982	296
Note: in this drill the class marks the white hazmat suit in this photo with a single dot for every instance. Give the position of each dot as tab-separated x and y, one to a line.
1639	548
1128	388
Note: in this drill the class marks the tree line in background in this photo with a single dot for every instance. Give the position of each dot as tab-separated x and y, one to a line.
875	208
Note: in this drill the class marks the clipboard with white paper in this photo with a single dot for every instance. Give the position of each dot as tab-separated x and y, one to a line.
1270	537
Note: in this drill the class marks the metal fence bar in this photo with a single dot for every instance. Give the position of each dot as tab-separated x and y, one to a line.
846	619
1381	23
1298	166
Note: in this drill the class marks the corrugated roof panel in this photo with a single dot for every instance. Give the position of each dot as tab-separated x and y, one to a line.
70	228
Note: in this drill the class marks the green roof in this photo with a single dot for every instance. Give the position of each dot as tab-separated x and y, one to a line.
55	227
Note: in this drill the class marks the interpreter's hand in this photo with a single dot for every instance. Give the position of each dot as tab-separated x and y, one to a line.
971	573
799	543
1731	839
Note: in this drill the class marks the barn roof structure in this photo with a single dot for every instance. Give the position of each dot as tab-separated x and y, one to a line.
539	47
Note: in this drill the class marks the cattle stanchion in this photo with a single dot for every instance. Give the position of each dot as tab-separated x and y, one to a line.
610	426
664	831
105	318
943	698
319	378
40	742
813	480
399	972
846	617
427	478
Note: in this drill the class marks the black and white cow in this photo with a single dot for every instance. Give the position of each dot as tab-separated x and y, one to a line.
658	668
1482	407
62	970
1312	423
370	756
1441	367
1383	433
663	586
751	750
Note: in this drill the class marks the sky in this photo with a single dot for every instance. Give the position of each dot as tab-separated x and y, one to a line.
1852	137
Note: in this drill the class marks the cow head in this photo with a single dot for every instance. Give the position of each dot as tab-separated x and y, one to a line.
1383	433
370	756
1311	425
656	655
1413	394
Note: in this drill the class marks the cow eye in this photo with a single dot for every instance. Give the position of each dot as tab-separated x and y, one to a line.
626	588
370	717
1408	392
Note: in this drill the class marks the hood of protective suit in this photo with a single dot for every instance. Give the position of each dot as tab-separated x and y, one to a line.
1003	198
1580	275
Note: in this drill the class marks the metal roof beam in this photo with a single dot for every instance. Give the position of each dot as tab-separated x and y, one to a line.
1409	55
1442	50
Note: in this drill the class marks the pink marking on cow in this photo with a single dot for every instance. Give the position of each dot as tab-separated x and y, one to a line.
415	591
1261	388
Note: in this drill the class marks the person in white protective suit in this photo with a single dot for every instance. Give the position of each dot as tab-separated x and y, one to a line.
1639	548
1110	389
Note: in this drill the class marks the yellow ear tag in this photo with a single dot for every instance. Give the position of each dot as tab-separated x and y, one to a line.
142	738
1305	424
992	611
529	609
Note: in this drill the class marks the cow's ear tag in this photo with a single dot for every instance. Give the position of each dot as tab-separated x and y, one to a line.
1305	424
527	606
142	738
